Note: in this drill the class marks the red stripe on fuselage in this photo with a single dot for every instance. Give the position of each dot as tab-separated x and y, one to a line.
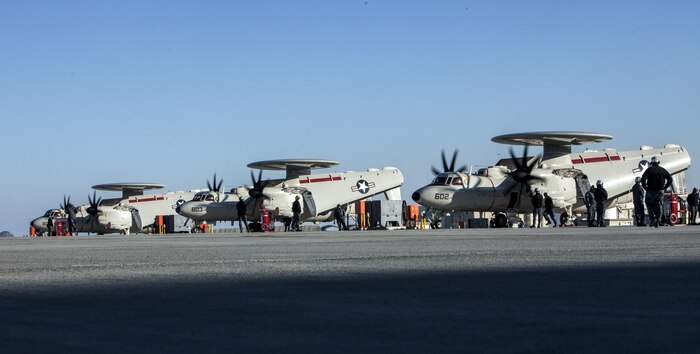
596	159
146	199
316	180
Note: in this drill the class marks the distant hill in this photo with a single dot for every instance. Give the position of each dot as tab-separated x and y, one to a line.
6	234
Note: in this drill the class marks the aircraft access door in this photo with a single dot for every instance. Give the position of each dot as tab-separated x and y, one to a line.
310	203
583	185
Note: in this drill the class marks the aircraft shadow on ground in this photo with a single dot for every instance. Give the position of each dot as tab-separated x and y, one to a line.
651	308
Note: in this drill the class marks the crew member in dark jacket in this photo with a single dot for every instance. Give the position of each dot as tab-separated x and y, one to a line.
693	202
242	209
537	209
549	209
296	214
655	181
339	215
589	200
601	195
49	225
638	199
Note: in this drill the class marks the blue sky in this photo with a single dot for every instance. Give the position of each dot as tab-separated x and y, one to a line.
172	91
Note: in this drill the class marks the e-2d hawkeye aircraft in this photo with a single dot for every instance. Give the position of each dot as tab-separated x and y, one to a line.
564	175
133	212
319	193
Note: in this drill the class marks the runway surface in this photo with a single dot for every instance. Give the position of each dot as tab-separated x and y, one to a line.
516	290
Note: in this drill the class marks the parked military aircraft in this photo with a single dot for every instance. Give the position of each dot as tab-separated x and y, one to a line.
133	212
566	176
320	193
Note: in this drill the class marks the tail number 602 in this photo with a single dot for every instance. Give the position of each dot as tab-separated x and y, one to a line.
442	196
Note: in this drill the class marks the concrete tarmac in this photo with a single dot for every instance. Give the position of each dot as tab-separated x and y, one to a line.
573	290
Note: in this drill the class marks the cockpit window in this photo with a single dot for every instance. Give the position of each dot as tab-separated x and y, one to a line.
440	180
209	198
452	179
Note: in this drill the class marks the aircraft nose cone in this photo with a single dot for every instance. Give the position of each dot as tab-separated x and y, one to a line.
415	196
177	209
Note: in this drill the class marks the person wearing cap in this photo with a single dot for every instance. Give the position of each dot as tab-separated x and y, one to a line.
537	209
242	210
339	215
600	195
296	212
638	200
589	200
655	181
693	202
549	209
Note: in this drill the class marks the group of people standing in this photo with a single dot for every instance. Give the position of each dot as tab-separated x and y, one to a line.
648	191
294	223
538	200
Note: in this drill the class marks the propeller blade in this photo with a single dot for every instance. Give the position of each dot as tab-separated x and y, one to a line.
454	161
451	167
445	168
515	160
523	170
524	163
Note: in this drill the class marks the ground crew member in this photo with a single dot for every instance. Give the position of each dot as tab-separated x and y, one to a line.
49	224
537	200
655	181
242	210
589	200
693	202
638	193
339	215
296	214
549	209
600	195
71	211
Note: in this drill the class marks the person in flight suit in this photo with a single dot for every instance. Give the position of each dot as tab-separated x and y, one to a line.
242	210
549	209
693	202
589	199
655	181
339	215
638	193
601	195
537	200
296	214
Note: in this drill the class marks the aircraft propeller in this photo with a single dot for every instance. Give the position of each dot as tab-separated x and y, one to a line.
69	209
522	174
214	187
523	170
93	210
451	166
258	186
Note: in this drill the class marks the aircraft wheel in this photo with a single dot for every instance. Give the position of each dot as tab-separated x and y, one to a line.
255	227
501	221
437	224
673	218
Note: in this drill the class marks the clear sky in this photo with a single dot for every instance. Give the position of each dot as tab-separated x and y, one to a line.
172	91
